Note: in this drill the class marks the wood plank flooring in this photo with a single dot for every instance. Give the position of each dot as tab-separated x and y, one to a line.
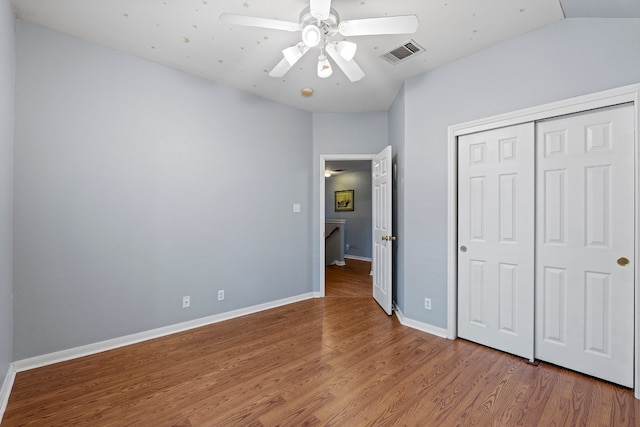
337	361
350	280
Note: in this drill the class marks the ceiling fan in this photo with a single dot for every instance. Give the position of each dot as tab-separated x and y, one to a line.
321	27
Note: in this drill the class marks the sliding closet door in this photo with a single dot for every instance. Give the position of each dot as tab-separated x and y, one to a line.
495	238
585	243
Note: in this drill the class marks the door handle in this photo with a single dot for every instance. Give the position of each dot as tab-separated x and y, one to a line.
623	261
463	248
387	238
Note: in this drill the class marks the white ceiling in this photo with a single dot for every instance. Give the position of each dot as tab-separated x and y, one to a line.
187	35
337	167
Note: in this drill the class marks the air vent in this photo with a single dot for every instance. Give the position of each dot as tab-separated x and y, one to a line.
399	54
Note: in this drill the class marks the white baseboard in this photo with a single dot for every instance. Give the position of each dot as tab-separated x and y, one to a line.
358	258
421	326
338	263
5	390
86	350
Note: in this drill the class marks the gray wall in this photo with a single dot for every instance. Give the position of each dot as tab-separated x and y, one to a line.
340	133
570	58
396	140
358	226
7	62
136	184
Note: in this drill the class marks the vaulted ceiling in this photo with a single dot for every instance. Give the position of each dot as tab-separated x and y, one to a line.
188	35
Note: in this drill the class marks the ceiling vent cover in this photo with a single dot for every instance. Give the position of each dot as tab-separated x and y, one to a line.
401	53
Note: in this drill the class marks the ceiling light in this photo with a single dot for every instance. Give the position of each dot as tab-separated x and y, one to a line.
327	174
311	35
324	67
306	92
346	49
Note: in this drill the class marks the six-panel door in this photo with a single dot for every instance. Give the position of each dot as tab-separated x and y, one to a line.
585	243
495	238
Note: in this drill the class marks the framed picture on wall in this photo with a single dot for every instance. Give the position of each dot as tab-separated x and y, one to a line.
344	201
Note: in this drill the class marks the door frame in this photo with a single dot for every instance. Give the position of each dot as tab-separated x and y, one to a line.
607	98
323	159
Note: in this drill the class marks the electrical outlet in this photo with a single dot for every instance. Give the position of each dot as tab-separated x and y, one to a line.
427	303
221	295
186	301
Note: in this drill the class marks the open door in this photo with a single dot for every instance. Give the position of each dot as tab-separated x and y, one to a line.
382	233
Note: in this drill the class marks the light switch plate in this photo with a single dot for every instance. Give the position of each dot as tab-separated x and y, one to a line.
296	207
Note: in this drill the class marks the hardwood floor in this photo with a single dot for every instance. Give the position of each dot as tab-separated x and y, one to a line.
337	361
350	280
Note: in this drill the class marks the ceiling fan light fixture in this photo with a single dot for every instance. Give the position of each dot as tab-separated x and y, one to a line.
324	67
311	35
320	25
347	50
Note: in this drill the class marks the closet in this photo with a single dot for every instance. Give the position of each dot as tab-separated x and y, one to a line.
546	240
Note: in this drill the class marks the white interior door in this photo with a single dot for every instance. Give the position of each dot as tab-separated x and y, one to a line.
496	238
382	233
585	243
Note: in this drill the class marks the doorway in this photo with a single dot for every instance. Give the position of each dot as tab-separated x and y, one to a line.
382	220
348	252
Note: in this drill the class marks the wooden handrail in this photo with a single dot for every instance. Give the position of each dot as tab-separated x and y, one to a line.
332	231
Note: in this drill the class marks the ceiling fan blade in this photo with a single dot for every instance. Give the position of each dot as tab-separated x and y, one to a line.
405	24
281	68
287	62
349	68
252	21
320	9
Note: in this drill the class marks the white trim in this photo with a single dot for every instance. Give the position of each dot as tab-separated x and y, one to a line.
86	350
578	104
636	275
358	258
324	158
5	391
452	239
424	327
339	222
